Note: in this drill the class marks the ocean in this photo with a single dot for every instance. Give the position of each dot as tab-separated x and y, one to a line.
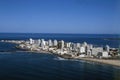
20	65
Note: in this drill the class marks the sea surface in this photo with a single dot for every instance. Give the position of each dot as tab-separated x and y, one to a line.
20	65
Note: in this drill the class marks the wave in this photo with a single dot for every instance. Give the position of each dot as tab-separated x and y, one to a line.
59	58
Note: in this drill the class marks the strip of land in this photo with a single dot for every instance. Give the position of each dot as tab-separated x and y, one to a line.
102	61
68	54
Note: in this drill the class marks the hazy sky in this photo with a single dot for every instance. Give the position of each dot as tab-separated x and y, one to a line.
60	16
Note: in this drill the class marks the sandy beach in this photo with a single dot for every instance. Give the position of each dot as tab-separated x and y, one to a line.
102	61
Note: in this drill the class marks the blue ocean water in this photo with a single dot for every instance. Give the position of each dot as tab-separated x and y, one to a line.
16	65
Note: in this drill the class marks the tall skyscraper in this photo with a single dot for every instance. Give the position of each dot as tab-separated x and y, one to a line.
42	43
50	44
107	48
31	41
55	43
62	44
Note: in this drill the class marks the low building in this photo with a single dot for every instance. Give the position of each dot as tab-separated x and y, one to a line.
105	54
96	50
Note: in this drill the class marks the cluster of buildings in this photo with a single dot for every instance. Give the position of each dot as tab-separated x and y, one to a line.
68	48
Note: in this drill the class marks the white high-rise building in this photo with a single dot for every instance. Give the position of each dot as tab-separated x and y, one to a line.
82	49
39	41
68	45
42	43
62	44
107	48
78	45
50	43
89	53
55	43
85	44
74	46
91	46
31	41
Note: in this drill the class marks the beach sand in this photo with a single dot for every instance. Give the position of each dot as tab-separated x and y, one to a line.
103	61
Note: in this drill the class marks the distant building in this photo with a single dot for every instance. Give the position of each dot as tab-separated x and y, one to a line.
36	42
39	41
78	45
31	41
55	43
90	46
50	44
107	48
96	50
68	45
85	44
82	49
74	46
89	53
43	43
62	44
105	54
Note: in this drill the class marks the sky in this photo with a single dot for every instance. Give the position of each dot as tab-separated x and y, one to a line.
60	16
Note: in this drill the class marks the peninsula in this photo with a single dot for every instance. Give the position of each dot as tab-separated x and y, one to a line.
70	50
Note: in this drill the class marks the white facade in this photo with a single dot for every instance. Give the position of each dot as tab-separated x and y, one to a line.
95	51
39	41
78	45
31	41
82	55
74	46
55	43
62	44
82	49
107	48
85	44
68	45
42	43
50	43
89	53
90	46
105	54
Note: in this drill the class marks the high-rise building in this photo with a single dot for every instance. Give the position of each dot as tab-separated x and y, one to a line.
31	41
90	46
68	45
43	43
50	44
82	49
74	46
78	45
55	43
85	44
62	44
107	48
39	42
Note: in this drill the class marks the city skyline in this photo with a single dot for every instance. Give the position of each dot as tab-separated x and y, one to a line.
60	16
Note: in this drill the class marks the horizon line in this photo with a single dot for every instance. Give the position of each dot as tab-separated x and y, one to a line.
54	33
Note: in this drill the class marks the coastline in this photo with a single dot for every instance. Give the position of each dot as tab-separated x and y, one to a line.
100	61
112	62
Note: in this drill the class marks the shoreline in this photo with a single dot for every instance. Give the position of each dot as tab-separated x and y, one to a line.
100	61
113	62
